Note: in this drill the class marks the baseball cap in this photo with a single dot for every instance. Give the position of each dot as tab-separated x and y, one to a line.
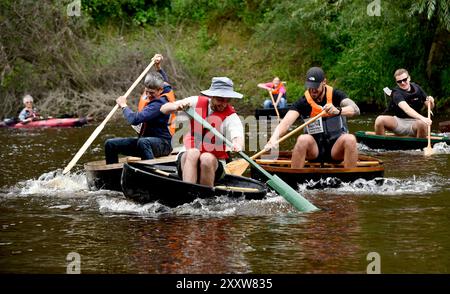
314	76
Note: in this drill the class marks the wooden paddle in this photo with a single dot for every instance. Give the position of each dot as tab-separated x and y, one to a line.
238	167
273	102
428	150
102	125
292	196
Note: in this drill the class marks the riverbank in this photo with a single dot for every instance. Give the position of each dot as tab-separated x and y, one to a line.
79	64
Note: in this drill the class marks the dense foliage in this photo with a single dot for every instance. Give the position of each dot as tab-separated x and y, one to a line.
43	51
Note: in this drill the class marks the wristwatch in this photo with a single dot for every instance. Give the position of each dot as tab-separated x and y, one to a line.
340	110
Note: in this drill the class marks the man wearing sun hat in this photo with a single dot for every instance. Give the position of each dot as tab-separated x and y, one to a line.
204	159
327	138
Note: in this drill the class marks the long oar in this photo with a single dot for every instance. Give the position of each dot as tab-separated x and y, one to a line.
275	182
273	102
102	125
238	167
428	150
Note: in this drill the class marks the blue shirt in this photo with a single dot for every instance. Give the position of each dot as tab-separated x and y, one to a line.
154	121
25	113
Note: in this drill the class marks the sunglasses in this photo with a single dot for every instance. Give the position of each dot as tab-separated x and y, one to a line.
402	81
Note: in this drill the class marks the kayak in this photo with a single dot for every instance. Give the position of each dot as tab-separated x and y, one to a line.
392	142
328	174
49	123
145	183
100	175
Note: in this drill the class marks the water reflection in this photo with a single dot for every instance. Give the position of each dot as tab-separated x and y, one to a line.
44	216
203	246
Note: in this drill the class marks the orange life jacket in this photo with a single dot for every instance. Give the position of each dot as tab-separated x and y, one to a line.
315	108
276	90
201	138
143	101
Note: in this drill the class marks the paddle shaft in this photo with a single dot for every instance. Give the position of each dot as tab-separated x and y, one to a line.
298	129
102	125
274	106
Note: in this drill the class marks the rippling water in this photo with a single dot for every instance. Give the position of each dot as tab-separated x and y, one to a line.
45	216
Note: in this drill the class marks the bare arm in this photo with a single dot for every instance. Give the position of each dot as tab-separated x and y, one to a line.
412	113
282	128
348	108
263	86
430	99
176	106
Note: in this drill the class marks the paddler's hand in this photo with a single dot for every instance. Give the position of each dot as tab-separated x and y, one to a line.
236	147
331	109
426	120
122	101
270	145
158	58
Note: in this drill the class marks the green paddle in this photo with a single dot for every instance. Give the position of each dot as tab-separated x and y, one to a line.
275	182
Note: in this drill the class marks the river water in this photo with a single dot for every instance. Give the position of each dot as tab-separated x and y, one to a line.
45	216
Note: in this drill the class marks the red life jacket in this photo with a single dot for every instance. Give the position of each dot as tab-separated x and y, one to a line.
143	101
203	139
315	108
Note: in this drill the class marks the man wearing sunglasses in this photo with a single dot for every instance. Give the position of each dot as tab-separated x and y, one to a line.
154	137
407	100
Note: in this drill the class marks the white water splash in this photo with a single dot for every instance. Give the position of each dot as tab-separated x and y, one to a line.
53	183
438	148
123	206
441	148
382	186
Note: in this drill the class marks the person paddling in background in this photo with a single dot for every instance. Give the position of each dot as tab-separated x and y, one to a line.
204	159
326	139
154	137
278	91
28	113
406	103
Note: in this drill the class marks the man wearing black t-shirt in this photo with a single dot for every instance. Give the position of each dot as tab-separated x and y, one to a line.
326	139
406	102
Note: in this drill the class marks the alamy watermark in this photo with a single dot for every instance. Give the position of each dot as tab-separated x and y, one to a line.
258	131
374	266
73	263
374	8
74	8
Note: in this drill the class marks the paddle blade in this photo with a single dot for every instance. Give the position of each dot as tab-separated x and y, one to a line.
427	151
292	196
237	167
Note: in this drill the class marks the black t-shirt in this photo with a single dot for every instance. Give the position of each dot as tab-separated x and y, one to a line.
302	106
415	98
